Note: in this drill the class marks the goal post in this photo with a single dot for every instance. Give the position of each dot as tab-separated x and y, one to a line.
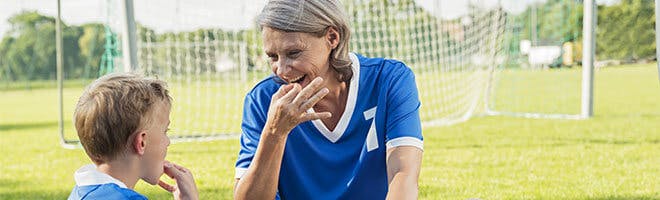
64	141
534	83
589	49
657	36
129	40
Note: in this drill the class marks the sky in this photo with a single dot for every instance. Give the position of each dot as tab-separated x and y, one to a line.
183	15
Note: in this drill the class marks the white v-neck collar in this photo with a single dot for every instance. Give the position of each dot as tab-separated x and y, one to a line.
334	135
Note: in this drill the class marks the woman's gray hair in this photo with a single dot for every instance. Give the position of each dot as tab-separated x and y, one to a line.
313	17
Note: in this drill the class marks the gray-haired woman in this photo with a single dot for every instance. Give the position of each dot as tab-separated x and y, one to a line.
328	124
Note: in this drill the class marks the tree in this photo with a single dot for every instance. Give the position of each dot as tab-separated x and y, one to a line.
557	21
28	49
91	44
5	45
22	50
625	30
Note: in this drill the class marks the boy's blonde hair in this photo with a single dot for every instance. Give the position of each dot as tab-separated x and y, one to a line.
114	107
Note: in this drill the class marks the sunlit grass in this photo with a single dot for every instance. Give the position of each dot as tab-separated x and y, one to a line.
614	155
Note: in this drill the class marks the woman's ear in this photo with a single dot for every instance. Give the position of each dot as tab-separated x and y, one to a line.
332	36
140	142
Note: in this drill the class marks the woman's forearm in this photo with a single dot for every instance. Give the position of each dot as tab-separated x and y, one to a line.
403	186
260	181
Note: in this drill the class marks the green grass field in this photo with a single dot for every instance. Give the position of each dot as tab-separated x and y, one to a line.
614	155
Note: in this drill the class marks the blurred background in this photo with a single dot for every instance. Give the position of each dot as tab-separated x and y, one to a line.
509	110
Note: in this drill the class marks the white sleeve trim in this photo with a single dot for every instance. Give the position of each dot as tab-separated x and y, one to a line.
240	172
405	141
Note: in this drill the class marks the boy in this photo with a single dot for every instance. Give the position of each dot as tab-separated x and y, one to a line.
122	120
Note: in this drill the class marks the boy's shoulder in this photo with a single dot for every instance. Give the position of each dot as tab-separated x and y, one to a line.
93	184
104	191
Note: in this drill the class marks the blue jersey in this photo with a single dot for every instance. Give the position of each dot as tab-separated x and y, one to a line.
382	111
92	184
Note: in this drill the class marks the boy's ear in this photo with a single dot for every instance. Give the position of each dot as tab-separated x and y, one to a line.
140	142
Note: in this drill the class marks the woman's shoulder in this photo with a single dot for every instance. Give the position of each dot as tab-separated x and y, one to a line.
383	65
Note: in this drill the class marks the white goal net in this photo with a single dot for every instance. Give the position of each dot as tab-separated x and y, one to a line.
210	54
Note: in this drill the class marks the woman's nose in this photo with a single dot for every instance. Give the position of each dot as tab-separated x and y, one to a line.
282	67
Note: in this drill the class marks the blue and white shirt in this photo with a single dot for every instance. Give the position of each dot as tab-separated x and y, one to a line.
93	184
382	112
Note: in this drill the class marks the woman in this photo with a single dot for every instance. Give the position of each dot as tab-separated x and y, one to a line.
328	124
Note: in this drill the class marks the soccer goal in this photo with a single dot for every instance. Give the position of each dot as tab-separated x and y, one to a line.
542	76
467	63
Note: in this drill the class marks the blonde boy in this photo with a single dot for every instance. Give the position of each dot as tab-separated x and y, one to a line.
122	120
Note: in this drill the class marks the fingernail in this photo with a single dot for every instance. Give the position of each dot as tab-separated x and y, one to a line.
168	165
325	90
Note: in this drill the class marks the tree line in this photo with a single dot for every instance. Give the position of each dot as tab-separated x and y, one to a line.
27	50
625	31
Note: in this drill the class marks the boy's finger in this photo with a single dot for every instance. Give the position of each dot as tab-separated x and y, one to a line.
168	187
170	170
180	168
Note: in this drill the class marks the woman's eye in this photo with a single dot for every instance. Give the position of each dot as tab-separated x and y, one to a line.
272	57
294	53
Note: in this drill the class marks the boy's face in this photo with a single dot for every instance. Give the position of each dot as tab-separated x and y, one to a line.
156	143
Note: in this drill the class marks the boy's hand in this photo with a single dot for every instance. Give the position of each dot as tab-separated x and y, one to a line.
185	188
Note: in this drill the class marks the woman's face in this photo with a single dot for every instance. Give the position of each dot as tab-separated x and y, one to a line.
297	57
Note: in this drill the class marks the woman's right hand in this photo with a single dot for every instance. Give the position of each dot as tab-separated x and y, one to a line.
289	105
